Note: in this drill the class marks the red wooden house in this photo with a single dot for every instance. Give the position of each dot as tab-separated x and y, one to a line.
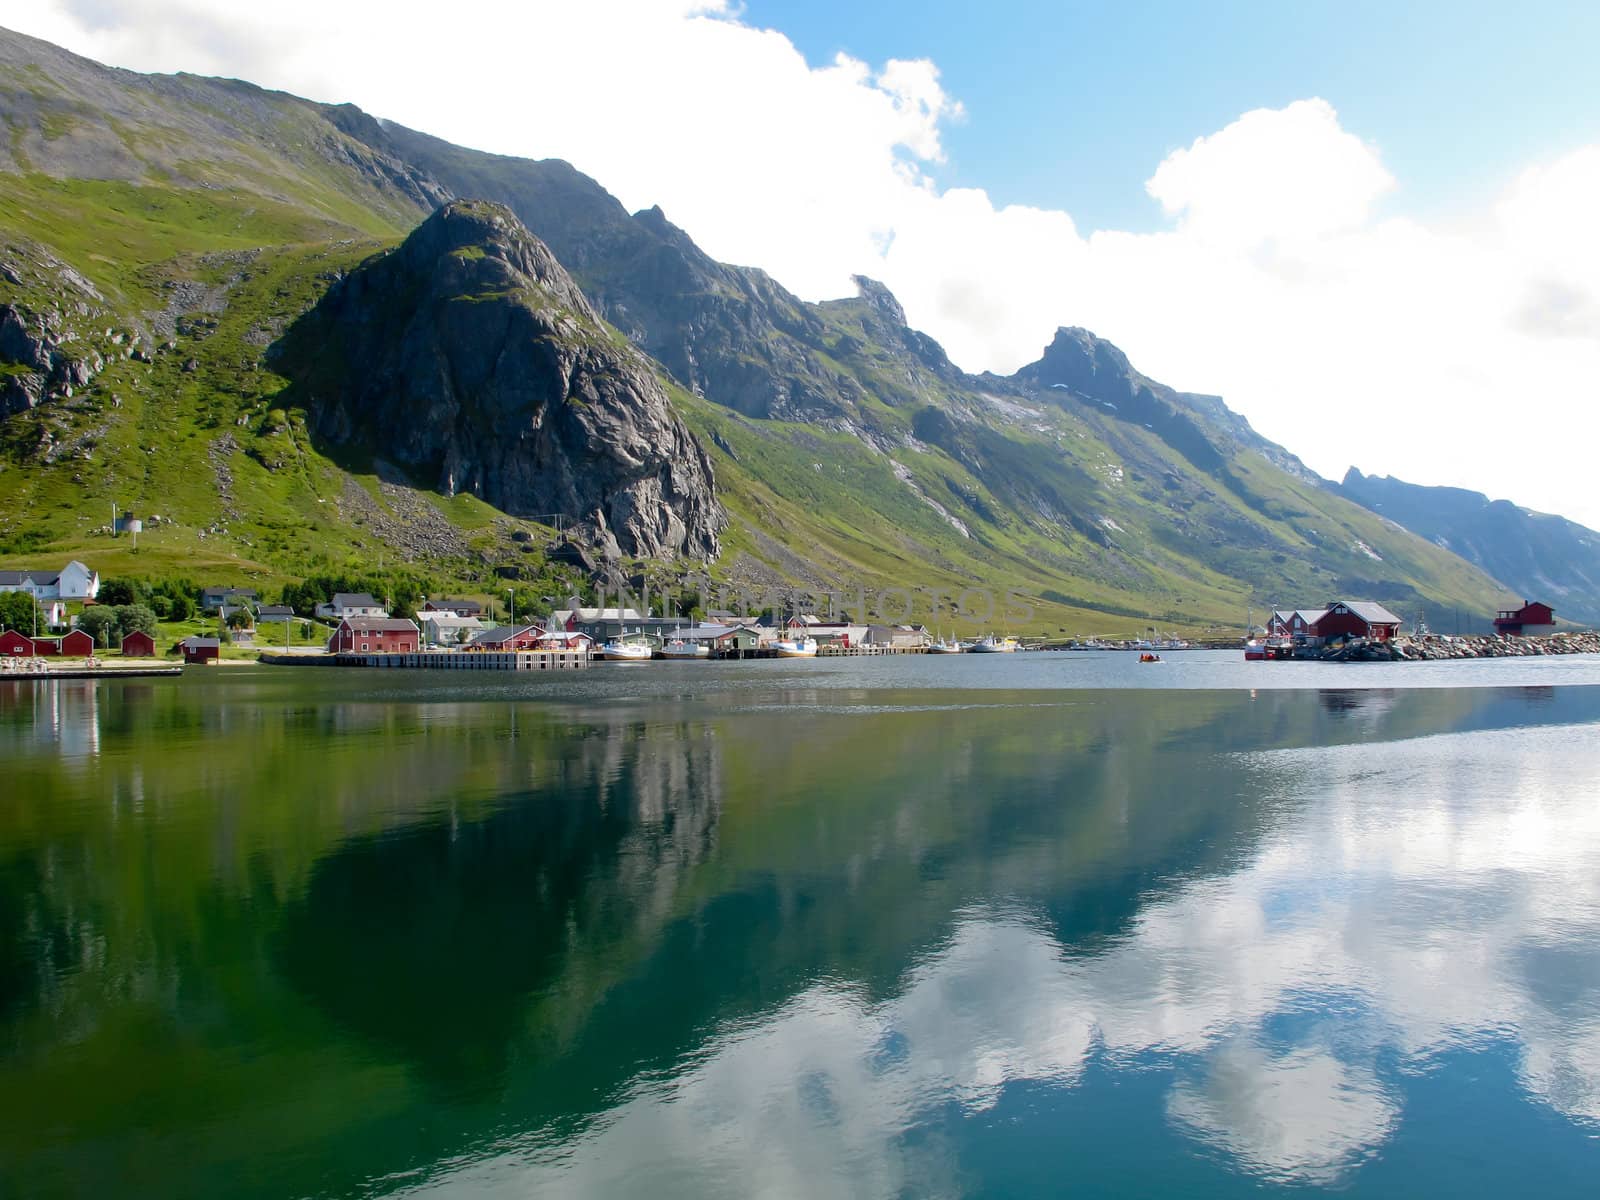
200	650
1293	622
15	645
508	637
374	635
1531	618
138	645
1356	619
46	646
77	644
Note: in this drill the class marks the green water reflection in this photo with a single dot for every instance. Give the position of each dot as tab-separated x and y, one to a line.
296	935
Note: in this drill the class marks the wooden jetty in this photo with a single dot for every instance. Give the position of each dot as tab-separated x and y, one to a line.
443	660
52	671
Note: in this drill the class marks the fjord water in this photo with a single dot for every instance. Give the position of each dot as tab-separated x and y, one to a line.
1020	926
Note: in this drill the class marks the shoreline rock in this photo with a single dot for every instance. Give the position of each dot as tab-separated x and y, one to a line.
1439	647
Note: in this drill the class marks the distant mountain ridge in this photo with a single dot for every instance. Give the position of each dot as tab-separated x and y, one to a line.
1538	556
221	226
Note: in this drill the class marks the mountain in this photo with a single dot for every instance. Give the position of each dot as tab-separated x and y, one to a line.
236	309
1536	555
468	356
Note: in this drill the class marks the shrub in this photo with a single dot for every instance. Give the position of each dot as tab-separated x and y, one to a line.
135	618
99	623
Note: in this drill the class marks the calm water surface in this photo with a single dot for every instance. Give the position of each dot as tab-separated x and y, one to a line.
1026	925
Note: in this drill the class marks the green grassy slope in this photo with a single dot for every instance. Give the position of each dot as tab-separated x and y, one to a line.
201	217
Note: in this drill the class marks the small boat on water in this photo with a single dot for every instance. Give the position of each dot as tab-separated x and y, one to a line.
678	648
1271	650
944	647
1148	657
627	650
800	647
993	645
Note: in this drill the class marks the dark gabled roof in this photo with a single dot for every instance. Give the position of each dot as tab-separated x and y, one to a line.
1370	612
201	643
379	625
456	605
18	578
275	610
354	600
505	633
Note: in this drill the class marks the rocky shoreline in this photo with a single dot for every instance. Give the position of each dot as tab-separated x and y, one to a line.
1436	647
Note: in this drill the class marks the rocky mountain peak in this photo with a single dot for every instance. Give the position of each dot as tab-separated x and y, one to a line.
484	248
1077	359
880	298
470	357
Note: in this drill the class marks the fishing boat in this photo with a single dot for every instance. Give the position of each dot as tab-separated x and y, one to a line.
627	649
944	647
993	645
796	647
679	648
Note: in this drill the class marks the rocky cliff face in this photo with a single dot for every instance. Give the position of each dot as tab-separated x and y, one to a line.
55	331
471	357
731	334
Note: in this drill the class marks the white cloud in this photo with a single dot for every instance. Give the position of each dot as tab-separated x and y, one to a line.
1289	173
1463	351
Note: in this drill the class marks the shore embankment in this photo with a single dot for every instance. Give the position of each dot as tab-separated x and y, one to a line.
1439	646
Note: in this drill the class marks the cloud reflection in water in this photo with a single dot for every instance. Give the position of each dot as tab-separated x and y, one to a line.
1422	896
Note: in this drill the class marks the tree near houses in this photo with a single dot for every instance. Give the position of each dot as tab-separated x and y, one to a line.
107	625
135	618
18	611
117	592
99	623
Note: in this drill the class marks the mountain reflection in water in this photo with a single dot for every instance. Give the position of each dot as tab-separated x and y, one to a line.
870	942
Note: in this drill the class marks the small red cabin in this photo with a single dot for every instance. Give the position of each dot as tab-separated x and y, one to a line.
15	645
374	635
78	644
1532	617
200	650
138	644
43	646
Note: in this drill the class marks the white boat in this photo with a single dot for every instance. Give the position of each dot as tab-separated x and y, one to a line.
944	647
801	647
678	648
626	651
993	645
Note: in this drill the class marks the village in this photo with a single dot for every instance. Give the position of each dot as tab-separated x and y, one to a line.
71	628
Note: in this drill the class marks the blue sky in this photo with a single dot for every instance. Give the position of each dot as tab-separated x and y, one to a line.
1072	105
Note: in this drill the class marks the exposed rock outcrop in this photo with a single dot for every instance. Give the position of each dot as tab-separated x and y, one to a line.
55	333
469	356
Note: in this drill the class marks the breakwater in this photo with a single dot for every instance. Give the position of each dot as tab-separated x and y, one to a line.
1435	647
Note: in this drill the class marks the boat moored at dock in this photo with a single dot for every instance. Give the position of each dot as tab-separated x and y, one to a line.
800	647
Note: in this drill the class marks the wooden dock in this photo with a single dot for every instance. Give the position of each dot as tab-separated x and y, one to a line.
53	672
866	651
466	660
